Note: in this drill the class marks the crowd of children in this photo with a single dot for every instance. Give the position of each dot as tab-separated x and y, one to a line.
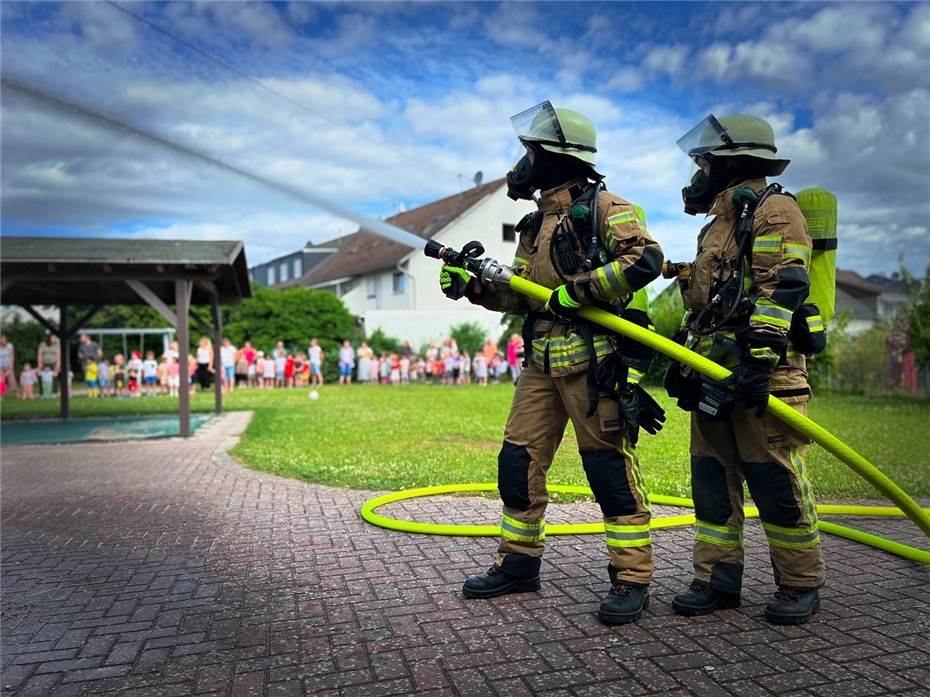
136	375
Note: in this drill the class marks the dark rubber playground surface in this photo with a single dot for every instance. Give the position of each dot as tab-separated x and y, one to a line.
79	430
167	569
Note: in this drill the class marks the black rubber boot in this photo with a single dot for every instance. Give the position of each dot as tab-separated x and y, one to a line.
624	603
793	606
701	599
495	582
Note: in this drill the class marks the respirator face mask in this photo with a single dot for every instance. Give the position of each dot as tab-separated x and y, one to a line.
709	179
523	180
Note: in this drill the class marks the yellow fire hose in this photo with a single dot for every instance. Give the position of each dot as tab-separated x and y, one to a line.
906	506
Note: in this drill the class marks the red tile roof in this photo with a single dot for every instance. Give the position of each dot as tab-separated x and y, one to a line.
364	252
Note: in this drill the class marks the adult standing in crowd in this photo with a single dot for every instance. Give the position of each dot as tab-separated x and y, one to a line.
204	363
48	355
87	350
228	361
515	355
364	355
7	363
347	362
315	353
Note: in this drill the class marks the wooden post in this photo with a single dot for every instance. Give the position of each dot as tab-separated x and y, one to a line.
64	379
218	350
182	305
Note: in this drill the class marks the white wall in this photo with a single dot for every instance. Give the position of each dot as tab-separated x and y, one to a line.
422	312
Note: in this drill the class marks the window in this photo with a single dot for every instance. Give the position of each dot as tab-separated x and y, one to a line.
509	233
271	280
282	270
298	267
371	287
399	283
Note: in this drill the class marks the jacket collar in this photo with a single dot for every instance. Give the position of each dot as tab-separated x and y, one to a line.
559	198
723	205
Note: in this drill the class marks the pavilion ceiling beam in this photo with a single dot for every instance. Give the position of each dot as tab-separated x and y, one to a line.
144	292
48	324
85	318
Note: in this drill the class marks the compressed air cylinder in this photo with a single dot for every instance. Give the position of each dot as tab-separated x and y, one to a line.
819	209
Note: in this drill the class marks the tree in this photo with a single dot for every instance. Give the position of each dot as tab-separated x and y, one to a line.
470	336
379	342
919	318
293	316
25	335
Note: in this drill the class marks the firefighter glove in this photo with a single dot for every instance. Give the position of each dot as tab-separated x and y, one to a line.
752	379
640	410
563	302
453	280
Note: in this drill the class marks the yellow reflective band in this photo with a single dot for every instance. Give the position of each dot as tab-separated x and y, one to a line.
815	323
633	376
770	313
513	529
791	538
627	535
798	251
614	282
621	218
764	354
720	535
767	244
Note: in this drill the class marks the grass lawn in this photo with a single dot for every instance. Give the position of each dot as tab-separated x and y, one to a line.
395	438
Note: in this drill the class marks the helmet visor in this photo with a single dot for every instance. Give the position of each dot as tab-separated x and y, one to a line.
540	124
708	135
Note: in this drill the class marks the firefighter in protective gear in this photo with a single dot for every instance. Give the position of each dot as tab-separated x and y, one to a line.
556	385
757	241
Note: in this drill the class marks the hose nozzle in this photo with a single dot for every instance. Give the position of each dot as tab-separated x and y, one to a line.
676	269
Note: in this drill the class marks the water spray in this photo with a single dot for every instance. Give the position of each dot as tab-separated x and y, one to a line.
95	118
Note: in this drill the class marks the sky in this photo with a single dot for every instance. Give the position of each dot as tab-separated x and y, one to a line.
385	106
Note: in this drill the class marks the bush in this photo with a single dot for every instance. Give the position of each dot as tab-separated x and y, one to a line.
470	336
379	342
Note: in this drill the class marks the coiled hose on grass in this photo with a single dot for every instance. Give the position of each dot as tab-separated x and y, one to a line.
906	506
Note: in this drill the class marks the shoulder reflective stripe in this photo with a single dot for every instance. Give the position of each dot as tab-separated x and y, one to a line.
620	218
633	376
767	243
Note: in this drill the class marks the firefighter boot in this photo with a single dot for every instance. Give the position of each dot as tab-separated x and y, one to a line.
624	603
701	599
793	606
518	573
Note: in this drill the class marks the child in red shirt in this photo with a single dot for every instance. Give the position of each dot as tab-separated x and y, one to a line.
289	365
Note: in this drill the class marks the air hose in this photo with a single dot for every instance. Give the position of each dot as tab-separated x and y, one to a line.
492	272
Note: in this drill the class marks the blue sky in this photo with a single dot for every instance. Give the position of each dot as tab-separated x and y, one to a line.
401	99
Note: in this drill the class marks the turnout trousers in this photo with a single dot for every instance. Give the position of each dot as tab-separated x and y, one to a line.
542	406
769	456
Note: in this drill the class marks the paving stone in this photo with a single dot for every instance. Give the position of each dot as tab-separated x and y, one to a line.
165	569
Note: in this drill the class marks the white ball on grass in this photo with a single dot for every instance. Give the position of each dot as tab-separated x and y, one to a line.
314	394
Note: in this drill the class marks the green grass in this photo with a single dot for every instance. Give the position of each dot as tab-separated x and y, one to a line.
398	438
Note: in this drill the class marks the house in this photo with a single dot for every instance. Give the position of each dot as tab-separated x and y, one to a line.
868	300
396	288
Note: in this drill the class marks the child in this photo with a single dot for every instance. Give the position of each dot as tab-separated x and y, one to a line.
252	374
134	374
119	375
305	372
298	370
405	371
260	369
375	369
385	369
439	370
395	369
280	362
271	371
480	364
289	364
48	382
103	376
26	380
150	374
174	378
242	370
316	362
163	376
90	379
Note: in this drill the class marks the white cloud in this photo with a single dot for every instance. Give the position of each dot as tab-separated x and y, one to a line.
625	79
666	59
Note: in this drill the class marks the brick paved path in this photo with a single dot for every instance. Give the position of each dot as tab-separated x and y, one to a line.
164	569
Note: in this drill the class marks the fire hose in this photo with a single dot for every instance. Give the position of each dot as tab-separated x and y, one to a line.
492	272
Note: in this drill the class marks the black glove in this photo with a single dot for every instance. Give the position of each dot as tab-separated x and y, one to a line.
563	302
752	379
453	280
685	388
640	410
